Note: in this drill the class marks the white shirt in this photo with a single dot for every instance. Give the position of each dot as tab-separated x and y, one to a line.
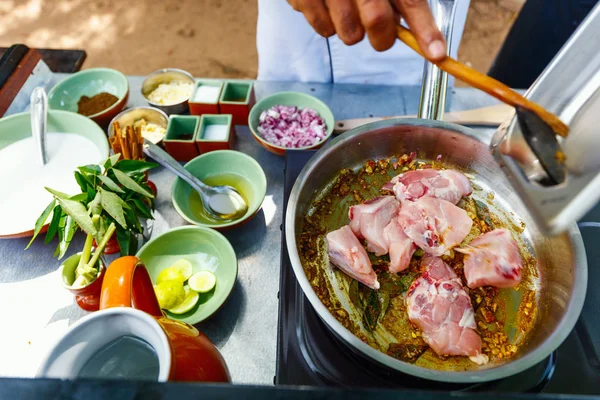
290	50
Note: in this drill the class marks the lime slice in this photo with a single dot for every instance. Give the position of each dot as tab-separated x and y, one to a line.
181	270
169	293
203	281
191	298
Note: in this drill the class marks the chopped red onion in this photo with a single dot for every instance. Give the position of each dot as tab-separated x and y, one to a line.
289	126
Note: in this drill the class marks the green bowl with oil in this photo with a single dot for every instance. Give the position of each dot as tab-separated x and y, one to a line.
220	167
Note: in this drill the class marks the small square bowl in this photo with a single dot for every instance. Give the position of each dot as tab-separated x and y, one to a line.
206	105
237	99
180	137
206	144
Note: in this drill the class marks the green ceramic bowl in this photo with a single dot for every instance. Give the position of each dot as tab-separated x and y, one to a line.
190	242
17	127
220	167
90	82
297	99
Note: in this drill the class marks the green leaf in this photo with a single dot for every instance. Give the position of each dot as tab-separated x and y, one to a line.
113	205
82	181
53	227
110	184
142	208
69	231
39	223
112	160
81	197
133	221
77	211
58	195
95	207
133	166
130	184
61	232
90	169
372	311
101	228
124	238
354	294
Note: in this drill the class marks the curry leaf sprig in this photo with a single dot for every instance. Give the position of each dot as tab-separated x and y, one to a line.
114	196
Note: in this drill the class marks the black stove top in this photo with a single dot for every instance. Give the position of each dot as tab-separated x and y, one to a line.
309	354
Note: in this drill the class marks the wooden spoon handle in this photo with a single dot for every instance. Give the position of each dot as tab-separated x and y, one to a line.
486	83
485	116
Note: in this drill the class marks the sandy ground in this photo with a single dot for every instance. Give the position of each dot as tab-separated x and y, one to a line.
209	38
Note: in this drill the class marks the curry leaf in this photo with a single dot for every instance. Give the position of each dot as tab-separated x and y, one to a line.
41	221
123	238
95	207
70	229
354	294
79	197
101	228
130	184
133	166
53	227
110	184
59	195
113	205
61	232
372	311
132	220
90	169
77	211
142	208
82	181
112	160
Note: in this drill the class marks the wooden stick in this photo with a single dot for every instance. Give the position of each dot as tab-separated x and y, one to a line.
486	83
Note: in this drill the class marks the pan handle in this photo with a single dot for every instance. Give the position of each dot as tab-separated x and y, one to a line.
435	81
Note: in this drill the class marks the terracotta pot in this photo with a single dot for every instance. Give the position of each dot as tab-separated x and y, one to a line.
184	354
112	246
87	297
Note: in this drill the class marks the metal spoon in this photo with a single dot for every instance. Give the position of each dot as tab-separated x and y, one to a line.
39	116
223	203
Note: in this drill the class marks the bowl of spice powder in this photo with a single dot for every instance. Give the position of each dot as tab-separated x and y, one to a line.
97	93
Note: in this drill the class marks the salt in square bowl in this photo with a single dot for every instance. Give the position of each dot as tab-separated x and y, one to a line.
216	132
205	98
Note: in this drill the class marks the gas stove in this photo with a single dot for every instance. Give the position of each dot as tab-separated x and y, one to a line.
309	353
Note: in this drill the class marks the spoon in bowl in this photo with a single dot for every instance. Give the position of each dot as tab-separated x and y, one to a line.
223	203
39	117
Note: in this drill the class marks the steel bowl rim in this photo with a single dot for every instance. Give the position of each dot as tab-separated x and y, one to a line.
128	110
160	72
563	329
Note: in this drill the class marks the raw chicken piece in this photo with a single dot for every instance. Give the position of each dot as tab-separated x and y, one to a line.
449	185
493	259
368	219
438	304
346	252
400	246
434	225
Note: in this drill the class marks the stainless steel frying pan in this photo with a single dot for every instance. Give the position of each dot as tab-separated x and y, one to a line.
561	280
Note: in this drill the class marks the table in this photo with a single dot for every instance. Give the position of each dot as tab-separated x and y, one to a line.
36	310
60	61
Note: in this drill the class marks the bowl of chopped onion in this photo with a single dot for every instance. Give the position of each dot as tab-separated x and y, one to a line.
290	120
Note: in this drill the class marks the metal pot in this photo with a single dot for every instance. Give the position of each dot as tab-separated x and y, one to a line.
561	260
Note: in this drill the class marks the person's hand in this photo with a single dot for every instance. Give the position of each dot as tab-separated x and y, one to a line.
350	19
